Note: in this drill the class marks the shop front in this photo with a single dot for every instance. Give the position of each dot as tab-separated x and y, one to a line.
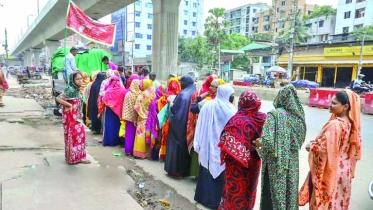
331	66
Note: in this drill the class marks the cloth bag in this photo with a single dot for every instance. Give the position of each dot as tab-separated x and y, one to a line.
163	116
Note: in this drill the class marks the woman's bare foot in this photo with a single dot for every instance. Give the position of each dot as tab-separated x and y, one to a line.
85	161
100	142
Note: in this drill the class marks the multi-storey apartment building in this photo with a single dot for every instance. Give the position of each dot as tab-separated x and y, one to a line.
278	18
351	15
242	18
321	29
135	25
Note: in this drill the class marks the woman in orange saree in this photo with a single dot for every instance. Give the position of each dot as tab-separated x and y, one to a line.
333	156
173	88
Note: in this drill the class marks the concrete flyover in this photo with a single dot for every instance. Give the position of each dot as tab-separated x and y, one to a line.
48	29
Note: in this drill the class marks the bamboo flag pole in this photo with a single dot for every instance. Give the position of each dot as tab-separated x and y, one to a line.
64	41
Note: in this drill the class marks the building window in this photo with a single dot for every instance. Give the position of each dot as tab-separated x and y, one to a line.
194	14
348	1
138	3
347	14
186	3
254	10
253	19
266	27
266	18
194	24
137	24
345	30
150	16
149	36
185	12
282	14
185	32
310	12
185	22
138	14
148	47
358	26
195	5
282	25
321	23
138	35
193	33
278	9
137	46
358	1
148	5
360	13
309	25
283	3
150	26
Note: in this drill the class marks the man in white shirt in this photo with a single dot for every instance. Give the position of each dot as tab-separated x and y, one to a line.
69	63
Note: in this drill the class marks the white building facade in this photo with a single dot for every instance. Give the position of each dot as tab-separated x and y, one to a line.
135	25
243	18
321	29
353	14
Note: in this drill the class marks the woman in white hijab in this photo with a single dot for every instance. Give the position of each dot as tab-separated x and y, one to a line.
211	122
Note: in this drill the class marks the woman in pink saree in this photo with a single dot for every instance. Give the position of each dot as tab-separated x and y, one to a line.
333	156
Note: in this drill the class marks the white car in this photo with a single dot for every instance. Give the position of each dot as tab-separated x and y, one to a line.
241	79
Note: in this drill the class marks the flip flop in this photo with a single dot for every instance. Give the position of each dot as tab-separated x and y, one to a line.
85	161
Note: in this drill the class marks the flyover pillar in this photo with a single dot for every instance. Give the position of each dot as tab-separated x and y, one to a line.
52	47
36	53
27	57
165	37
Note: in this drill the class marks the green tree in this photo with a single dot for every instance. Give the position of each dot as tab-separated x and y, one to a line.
234	42
216	27
183	55
262	37
241	61
323	11
359	33
196	48
301	31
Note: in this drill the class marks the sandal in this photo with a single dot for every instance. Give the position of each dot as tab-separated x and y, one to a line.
100	142
85	161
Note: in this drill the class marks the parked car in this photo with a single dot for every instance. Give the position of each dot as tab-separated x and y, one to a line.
248	78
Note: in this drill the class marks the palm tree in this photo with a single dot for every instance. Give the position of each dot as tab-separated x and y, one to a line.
301	31
216	27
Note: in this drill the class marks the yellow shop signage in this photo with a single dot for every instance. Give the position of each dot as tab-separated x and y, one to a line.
347	51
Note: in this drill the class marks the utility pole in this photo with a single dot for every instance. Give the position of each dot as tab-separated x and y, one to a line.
6	52
123	50
37	5
220	74
361	55
274	35
290	64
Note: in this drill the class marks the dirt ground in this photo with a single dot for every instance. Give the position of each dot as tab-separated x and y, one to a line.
42	95
153	190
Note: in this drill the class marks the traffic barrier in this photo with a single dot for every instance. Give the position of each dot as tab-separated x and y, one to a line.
321	98
249	84
368	105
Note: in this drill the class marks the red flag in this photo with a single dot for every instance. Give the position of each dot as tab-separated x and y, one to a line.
85	26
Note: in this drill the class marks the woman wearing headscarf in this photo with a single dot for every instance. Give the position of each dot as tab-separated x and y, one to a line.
142	145
333	156
85	97
177	163
74	130
130	79
199	101
152	124
92	104
129	115
173	89
283	135
212	119
242	161
113	99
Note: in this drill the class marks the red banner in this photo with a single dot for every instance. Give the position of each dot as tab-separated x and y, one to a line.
85	26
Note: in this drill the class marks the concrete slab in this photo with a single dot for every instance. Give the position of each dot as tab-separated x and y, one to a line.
65	186
20	107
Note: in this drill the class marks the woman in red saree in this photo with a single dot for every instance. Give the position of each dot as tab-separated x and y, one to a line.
333	156
242	161
173	88
74	130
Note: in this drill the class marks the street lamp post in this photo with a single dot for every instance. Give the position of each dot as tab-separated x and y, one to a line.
28	20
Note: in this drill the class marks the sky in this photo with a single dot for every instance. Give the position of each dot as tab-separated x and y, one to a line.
14	13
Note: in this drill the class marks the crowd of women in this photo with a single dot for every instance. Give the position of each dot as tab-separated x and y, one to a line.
200	133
